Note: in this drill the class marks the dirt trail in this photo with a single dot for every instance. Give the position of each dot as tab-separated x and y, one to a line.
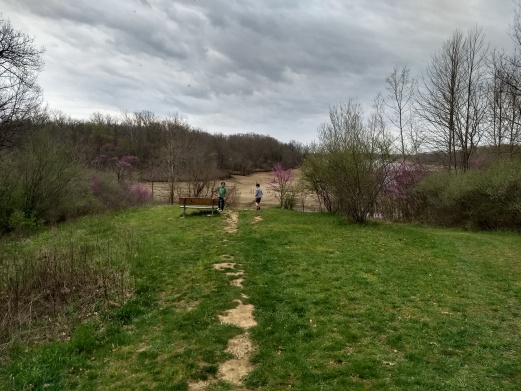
232	220
241	346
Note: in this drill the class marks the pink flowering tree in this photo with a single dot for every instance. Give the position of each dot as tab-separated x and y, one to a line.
140	195
122	167
402	179
404	176
281	182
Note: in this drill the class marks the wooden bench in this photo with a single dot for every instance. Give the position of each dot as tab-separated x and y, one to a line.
197	203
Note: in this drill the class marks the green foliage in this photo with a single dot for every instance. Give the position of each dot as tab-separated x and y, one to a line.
41	182
48	171
290	199
488	198
20	223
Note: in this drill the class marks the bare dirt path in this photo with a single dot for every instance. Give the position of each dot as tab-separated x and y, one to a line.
241	346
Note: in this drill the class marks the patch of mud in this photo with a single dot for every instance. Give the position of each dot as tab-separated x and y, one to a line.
240	316
223	266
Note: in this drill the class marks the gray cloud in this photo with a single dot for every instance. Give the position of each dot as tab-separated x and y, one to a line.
270	67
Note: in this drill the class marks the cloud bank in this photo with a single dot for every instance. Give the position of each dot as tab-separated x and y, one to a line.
270	67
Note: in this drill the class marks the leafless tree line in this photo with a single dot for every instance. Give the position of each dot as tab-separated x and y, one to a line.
20	96
467	97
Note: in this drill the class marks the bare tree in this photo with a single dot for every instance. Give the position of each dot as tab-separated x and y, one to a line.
452	98
173	136
473	113
515	27
400	88
351	161
20	96
200	165
440	96
504	105
505	93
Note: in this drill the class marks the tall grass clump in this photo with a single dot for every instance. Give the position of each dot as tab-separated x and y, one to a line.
487	199
70	278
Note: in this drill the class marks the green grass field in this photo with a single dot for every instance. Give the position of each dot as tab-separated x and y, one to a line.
338	307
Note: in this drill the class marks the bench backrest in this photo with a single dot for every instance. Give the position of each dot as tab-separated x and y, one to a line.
197	201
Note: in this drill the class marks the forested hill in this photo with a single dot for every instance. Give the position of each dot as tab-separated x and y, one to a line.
158	143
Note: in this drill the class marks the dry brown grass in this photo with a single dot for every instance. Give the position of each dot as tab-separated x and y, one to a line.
43	284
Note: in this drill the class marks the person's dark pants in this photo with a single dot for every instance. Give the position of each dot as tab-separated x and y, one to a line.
220	203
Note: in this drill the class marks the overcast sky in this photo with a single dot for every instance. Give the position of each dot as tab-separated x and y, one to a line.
264	66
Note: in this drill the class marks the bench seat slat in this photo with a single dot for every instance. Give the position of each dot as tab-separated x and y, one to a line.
197	203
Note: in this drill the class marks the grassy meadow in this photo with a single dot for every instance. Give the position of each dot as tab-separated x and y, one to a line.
338	306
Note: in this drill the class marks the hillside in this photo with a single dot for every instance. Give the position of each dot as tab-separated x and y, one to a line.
287	299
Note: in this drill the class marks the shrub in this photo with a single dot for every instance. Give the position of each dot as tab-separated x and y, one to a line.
23	224
290	200
38	182
349	167
114	195
281	182
480	199
139	195
110	194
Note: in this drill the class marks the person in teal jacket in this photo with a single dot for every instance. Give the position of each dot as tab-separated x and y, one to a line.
222	193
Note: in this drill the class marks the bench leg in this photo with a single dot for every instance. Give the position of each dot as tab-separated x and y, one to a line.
184	210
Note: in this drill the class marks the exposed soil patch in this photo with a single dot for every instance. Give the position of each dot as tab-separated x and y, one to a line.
236	274
199	386
238	282
240	316
256	219
224	266
241	346
234	370
232	221
239	366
